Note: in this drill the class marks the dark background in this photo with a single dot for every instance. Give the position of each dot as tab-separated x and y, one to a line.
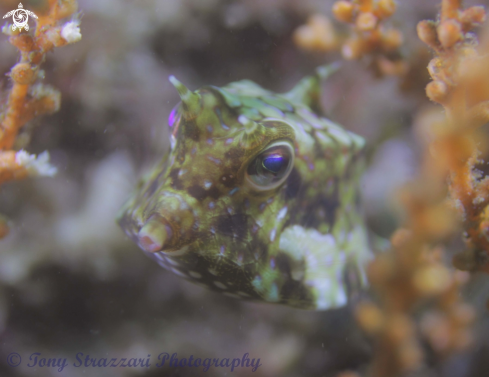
70	281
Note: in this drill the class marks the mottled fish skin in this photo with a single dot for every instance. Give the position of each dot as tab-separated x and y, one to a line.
296	237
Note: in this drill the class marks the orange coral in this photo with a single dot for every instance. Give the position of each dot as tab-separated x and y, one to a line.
413	272
26	99
460	83
370	35
317	35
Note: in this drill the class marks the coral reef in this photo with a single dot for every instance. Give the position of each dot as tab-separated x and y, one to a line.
28	99
460	83
69	280
415	270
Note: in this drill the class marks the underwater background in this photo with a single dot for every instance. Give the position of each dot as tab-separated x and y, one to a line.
71	282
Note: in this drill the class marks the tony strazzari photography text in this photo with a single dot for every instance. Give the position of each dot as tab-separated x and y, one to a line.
164	359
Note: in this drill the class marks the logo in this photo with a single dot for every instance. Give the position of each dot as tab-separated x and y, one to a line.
20	16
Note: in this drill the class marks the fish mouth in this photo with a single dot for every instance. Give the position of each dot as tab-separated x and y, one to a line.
152	236
164	225
155	234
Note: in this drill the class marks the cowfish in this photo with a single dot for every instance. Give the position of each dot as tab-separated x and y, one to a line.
257	197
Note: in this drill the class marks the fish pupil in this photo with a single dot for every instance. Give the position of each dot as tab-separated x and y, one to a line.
273	163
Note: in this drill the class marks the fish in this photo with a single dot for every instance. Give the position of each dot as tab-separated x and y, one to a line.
257	198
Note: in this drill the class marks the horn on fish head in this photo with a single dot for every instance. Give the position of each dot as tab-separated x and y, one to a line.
191	101
308	90
189	109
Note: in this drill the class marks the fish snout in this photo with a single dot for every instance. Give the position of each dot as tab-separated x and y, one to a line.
155	235
169	227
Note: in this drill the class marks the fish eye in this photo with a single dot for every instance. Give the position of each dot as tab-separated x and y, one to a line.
271	167
174	120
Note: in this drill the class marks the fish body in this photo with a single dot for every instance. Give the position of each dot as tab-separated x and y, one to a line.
258	197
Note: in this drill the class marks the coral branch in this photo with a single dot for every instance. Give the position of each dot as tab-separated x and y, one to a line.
28	100
460	84
317	35
369	34
19	165
413	272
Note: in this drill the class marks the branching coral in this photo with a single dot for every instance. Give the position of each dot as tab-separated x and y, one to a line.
460	83
413	272
318	34
28	99
368	36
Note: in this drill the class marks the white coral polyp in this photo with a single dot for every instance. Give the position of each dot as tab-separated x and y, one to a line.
35	166
71	32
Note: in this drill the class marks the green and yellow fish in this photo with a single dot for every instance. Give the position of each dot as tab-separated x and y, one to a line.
258	197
